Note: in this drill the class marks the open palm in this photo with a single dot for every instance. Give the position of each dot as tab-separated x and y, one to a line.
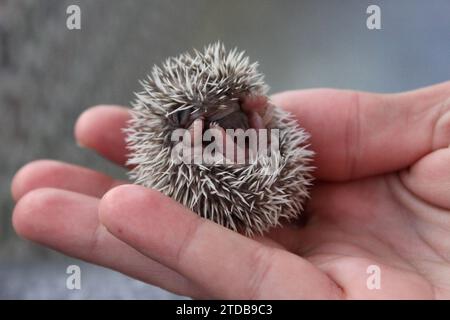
381	200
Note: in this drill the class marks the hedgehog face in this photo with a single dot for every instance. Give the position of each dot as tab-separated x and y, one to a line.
248	113
229	116
220	90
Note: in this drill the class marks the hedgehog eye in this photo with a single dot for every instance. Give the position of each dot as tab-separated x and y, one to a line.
183	118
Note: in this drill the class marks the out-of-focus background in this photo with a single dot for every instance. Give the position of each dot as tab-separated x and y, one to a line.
49	75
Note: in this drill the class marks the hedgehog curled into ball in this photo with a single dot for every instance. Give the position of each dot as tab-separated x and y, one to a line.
220	90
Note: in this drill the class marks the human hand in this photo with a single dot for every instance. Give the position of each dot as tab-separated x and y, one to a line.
382	197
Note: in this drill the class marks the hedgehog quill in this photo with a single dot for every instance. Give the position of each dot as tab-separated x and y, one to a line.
218	100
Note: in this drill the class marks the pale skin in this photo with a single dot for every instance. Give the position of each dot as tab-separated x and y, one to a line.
382	197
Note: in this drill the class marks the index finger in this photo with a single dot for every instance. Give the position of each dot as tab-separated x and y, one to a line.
101	128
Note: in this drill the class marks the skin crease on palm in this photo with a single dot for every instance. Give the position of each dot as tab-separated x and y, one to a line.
381	197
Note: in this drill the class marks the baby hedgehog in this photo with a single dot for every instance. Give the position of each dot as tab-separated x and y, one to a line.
219	90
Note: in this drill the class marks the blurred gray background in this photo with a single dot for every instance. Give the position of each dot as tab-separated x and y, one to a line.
49	75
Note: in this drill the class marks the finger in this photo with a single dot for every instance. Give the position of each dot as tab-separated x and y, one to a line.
100	128
224	263
423	98
68	222
356	134
60	175
429	178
